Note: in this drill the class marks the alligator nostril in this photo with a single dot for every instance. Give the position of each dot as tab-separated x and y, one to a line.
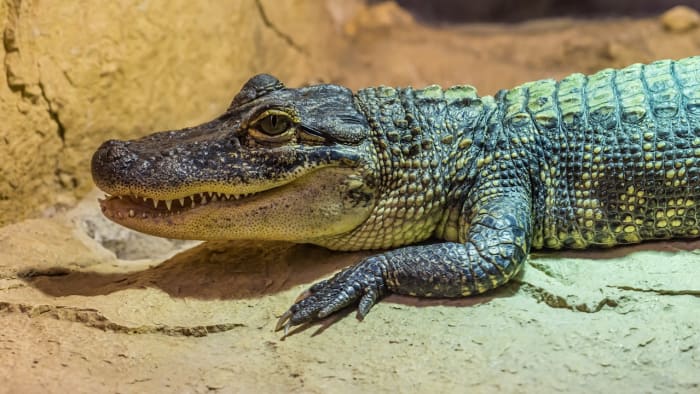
114	150
112	157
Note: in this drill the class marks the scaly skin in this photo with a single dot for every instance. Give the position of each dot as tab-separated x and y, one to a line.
608	159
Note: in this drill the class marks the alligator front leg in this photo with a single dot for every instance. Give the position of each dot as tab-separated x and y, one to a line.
496	240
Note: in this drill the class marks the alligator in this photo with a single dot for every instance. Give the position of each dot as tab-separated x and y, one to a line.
453	189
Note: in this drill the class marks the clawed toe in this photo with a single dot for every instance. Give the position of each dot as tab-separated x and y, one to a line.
362	284
284	322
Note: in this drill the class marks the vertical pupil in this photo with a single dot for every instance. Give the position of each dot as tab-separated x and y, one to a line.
273	121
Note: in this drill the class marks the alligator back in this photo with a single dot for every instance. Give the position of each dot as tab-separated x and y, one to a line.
617	153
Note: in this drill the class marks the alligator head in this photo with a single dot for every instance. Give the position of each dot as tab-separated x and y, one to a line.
279	164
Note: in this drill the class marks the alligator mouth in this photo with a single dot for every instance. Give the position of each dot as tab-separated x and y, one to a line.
137	207
310	206
123	206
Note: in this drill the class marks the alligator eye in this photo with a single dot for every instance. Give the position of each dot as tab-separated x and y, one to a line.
274	124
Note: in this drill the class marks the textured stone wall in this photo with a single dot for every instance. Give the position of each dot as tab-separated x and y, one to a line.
77	72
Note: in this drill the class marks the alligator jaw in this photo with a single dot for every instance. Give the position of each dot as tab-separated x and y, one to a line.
132	206
303	209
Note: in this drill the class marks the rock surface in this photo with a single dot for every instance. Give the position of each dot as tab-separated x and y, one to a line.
87	306
680	19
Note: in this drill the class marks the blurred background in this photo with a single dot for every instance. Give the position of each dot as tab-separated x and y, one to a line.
456	11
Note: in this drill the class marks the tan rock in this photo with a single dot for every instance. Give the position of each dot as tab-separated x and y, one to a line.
379	16
680	19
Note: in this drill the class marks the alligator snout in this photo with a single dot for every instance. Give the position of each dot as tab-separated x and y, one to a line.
113	150
111	158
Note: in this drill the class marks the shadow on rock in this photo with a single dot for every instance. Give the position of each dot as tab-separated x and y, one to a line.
212	270
670	246
398	301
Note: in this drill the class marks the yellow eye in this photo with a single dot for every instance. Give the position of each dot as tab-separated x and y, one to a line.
274	124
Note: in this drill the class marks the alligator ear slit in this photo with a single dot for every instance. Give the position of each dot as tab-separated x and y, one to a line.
316	132
350	119
312	130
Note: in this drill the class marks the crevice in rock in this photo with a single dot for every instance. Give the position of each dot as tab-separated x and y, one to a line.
11	45
14	286
51	272
543	268
559	302
9	41
695	293
94	319
53	114
286	37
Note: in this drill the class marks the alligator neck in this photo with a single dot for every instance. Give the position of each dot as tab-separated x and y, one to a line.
423	140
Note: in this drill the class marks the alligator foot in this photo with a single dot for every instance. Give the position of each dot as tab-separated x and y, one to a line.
363	283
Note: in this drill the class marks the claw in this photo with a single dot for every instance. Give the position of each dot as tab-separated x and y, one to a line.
284	322
363	283
366	303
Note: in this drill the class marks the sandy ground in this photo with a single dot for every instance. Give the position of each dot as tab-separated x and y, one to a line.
86	306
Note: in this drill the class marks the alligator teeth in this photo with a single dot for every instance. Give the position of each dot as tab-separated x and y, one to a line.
204	199
132	213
